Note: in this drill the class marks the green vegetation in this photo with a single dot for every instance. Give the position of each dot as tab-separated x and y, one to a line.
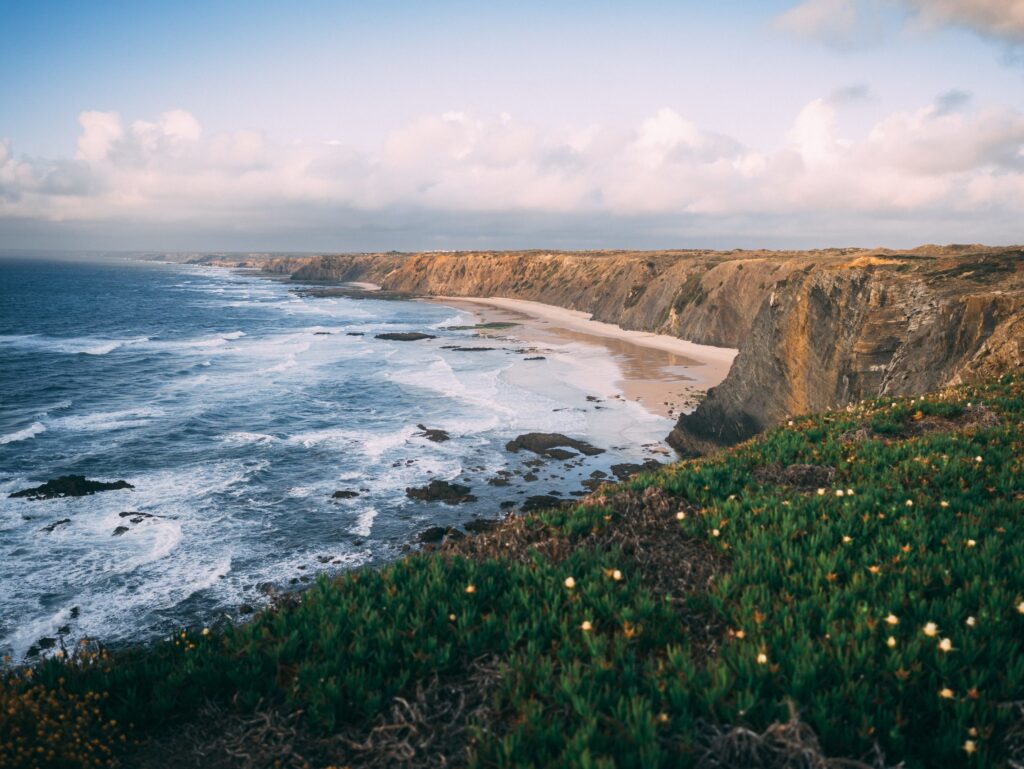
886	607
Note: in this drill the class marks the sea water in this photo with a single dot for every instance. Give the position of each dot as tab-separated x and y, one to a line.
236	406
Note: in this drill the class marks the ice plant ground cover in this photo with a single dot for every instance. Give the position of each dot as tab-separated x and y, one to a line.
731	610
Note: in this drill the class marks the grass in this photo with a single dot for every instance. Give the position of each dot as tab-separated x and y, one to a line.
719	612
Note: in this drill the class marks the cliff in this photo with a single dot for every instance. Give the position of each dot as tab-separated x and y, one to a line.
815	329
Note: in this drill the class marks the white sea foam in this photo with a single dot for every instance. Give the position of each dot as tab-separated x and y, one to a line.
108	420
244	437
23	435
364	523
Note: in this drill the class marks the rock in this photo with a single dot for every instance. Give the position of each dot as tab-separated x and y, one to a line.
119	531
246	608
530	477
470	349
50	527
75	612
437	436
550	445
441	491
498	481
405	336
135	517
540	502
321	333
479	526
355	333
70	486
436	534
626	470
344	494
507	504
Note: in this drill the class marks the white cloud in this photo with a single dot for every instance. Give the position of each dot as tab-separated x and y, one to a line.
926	164
844	24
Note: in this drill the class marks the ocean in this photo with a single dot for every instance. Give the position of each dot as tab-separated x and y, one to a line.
236	407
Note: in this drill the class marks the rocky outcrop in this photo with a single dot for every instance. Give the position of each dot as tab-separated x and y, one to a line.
553	445
70	486
815	329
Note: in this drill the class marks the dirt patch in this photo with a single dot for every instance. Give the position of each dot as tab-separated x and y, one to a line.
973	418
803	477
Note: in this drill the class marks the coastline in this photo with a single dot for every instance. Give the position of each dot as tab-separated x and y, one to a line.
665	375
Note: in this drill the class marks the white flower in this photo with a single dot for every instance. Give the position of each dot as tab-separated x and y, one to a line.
821	492
943	503
680	516
715	533
762	658
971	622
892	619
586	627
890	642
1020	607
978	459
910	503
930	629
971	543
617	575
570	583
849	492
969	747
945	645
839	492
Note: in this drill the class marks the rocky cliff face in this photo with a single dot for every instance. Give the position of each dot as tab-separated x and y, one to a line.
814	329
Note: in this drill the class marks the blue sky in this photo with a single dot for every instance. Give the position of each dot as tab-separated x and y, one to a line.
330	126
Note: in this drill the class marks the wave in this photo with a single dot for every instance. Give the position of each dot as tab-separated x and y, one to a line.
84	345
108	420
22	435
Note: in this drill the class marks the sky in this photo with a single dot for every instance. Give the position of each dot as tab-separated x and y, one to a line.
336	126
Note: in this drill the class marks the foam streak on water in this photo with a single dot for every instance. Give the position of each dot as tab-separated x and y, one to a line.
236	408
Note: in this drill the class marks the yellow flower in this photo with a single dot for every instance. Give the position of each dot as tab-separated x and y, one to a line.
470	588
617	575
586	627
451	617
930	629
762	658
839	492
715	533
892	619
890	642
969	747
977	459
662	718
680	516
971	622
570	583
971	543
849	492
847	539
206	631
946	693
910	503
1020	608
945	645
943	503
821	492
741	634
874	569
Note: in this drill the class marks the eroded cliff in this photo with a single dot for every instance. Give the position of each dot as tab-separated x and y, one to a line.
814	329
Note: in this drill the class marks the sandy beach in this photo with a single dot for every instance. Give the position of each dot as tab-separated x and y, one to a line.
664	374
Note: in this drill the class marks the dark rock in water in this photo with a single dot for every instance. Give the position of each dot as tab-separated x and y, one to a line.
499	481
136	517
246	608
64	630
344	494
75	612
469	349
627	470
119	531
479	526
593	399
437	534
508	503
578	493
441	491
435	435
536	357
540	502
50	527
599	474
46	642
70	486
357	542
550	445
268	588
530	477
355	333
321	333
405	336
431	535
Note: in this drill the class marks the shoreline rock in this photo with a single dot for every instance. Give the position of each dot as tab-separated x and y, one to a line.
441	491
69	486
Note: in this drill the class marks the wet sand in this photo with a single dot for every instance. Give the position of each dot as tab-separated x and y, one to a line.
665	375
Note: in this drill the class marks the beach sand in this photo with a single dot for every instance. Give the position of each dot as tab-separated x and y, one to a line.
663	374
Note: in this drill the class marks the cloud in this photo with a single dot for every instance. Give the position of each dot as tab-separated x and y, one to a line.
465	176
842	24
1000	19
855	24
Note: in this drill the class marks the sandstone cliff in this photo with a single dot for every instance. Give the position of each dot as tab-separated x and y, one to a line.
814	329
